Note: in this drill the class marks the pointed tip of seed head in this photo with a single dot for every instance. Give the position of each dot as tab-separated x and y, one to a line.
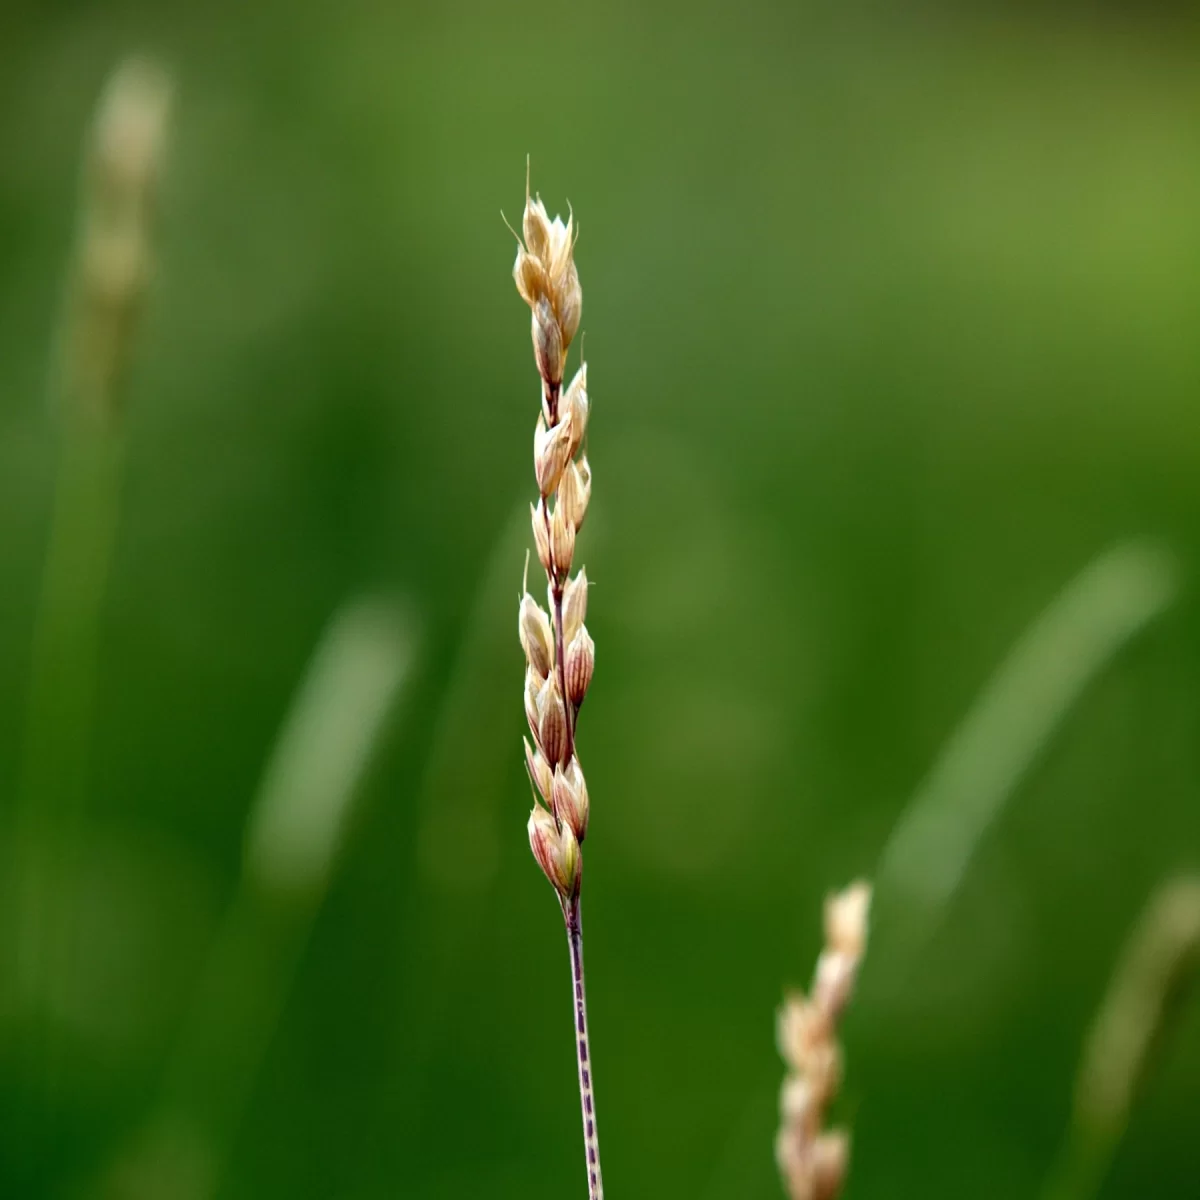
846	918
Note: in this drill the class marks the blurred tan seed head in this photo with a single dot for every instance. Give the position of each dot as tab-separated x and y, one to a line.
812	1160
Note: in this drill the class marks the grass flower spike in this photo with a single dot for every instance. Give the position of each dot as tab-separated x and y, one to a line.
560	655
813	1160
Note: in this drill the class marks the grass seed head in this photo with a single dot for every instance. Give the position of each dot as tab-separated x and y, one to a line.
556	850
547	342
573	496
541	534
571	798
536	637
552	722
576	404
580	666
539	772
575	598
813	1160
551	453
562	541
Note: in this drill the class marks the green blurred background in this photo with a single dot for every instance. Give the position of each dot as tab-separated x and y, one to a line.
891	319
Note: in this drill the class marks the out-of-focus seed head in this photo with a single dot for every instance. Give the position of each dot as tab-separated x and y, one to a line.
575	598
1153	974
113	258
552	722
814	1161
846	915
792	1163
833	984
823	1070
536	637
562	541
575	401
797	1106
571	798
114	268
556	851
539	772
551	451
547	342
541	534
579	665
130	130
830	1160
799	1028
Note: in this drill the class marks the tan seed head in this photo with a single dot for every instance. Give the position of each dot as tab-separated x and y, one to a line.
575	401
539	772
556	851
551	450
535	224
562	540
559	258
536	637
575	598
571	798
572	496
531	279
834	981
830	1158
846	915
797	1105
552	722
579	666
533	685
547	342
569	303
541	534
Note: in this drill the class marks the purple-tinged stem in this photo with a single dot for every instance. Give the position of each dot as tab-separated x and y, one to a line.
587	1096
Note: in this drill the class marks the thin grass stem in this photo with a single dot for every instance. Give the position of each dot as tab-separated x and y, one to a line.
587	1091
52	790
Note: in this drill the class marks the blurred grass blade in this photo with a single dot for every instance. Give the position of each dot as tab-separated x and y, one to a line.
1029	696
1152	979
294	829
464	801
337	716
